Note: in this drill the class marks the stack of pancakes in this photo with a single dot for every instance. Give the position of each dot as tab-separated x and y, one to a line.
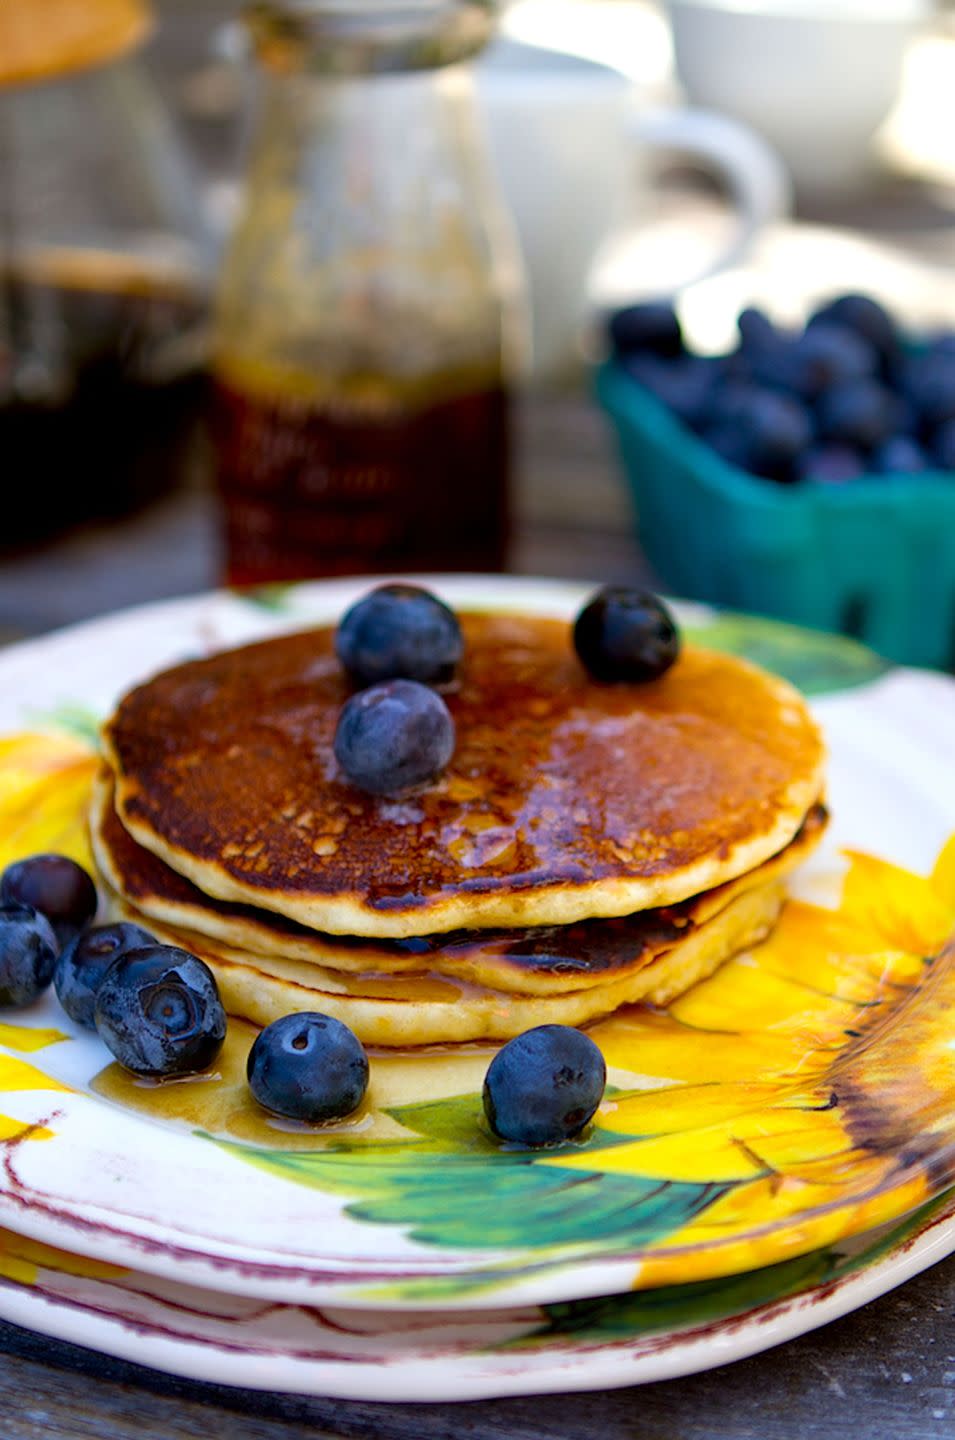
589	845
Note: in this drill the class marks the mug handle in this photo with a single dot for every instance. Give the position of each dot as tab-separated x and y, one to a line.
755	177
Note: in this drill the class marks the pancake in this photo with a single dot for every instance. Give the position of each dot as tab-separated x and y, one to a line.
539	961
429	1009
565	799
160	894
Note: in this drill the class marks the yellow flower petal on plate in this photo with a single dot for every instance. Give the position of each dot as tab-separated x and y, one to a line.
783	1139
19	1250
11	1129
28	1038
650	1044
700	1158
715	1253
798	952
15	1267
942	878
906	909
851	945
44	789
694	1107
19	1075
743	996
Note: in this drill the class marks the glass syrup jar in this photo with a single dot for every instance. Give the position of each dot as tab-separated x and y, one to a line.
368	321
104	272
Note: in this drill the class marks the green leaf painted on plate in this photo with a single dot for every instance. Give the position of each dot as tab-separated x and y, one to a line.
680	1307
75	719
276	598
454	1186
815	662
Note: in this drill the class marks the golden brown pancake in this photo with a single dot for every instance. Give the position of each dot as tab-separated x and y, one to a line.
565	799
539	961
428	1009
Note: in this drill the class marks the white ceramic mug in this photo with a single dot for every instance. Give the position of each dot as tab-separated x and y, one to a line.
573	150
816	78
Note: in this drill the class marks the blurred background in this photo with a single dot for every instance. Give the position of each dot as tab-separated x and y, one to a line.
318	288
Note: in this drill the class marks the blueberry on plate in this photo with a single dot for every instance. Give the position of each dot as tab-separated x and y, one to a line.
394	736
544	1086
652	327
28	949
83	963
399	632
624	634
158	1012
308	1067
56	886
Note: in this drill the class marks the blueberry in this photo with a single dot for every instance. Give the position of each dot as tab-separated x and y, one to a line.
832	464
732	446
399	632
943	446
394	736
544	1086
900	455
770	429
159	1013
56	886
929	382
83	964
756	331
866	317
943	343
776	367
624	634
684	385
308	1067
827	355
28	949
861	412
652	327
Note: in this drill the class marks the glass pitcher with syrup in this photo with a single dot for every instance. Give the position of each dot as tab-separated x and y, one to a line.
368	318
104	271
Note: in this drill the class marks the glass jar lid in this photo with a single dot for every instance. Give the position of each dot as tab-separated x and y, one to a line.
368	36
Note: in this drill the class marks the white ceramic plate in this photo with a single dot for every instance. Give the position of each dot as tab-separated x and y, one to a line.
466	1355
786	1165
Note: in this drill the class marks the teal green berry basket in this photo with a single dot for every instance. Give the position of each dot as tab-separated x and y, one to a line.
874	558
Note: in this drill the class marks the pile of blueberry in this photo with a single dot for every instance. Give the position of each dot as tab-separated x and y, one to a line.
158	1011
156	1007
843	397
